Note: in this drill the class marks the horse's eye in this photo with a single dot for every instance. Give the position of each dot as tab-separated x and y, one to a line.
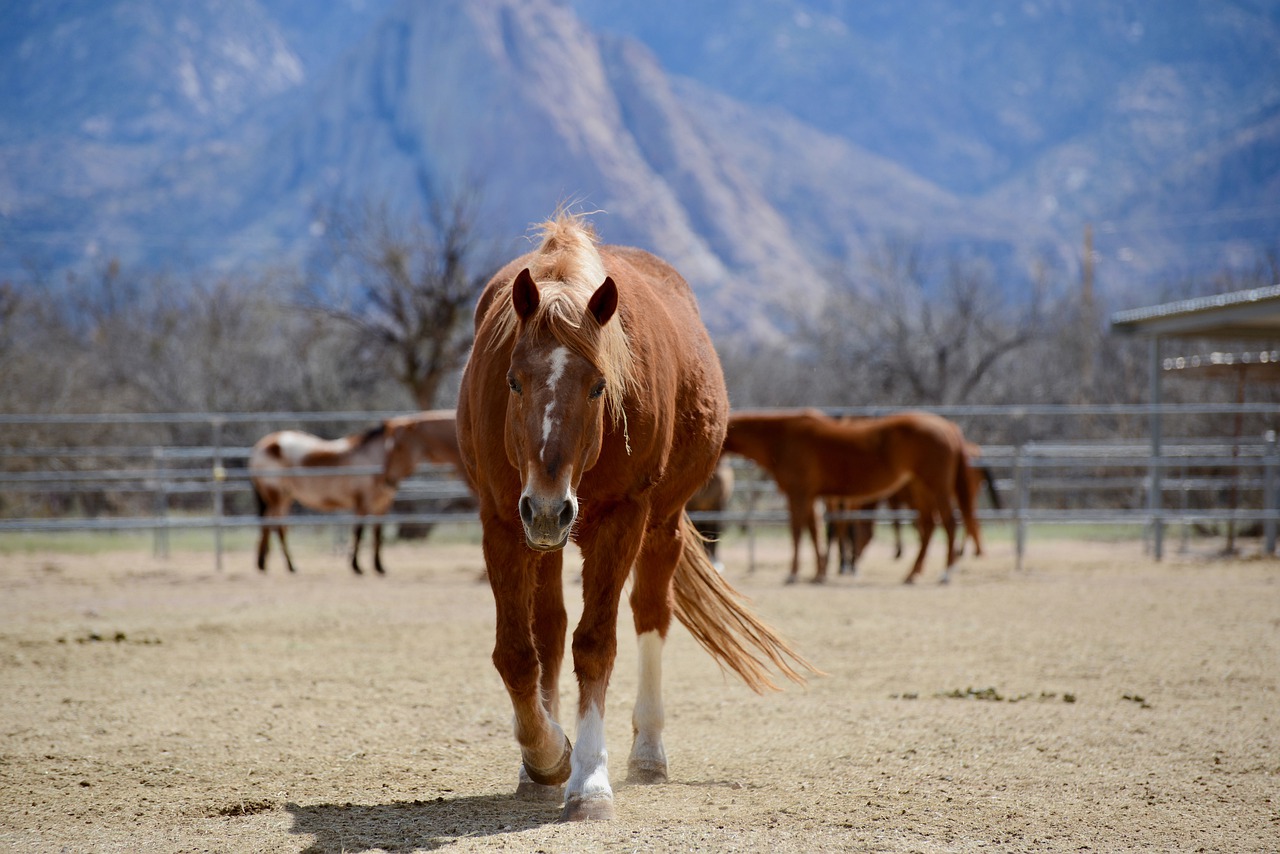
597	389
514	383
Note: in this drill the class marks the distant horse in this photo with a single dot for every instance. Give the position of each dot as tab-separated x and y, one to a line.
812	455
712	497
591	408
290	466
849	538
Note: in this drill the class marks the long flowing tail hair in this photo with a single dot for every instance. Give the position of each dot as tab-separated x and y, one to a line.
718	618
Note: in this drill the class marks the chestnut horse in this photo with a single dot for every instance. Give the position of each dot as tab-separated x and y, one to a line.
851	537
291	465
591	408
810	455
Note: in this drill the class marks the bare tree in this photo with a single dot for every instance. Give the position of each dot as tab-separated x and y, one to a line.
407	287
908	334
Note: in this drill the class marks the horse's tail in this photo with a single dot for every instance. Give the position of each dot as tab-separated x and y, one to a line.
719	620
964	497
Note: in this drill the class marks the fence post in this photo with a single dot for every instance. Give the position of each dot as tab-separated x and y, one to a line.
219	477
1020	490
1269	494
160	537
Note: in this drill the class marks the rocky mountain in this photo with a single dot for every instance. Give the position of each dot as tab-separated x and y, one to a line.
755	144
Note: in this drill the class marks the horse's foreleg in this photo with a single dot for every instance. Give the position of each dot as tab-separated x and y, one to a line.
549	623
512	569
264	544
800	518
377	549
355	549
819	555
609	554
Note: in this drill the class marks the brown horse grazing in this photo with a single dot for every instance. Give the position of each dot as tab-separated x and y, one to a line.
290	466
812	455
851	537
712	497
591	408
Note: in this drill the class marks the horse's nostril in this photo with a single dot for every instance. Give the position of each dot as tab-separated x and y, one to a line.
566	514
526	510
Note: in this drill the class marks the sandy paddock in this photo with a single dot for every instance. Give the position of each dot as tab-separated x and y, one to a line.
1095	701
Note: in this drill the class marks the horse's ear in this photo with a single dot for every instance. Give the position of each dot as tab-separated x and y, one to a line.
604	302
524	294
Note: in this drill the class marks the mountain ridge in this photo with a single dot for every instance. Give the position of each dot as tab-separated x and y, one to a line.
699	143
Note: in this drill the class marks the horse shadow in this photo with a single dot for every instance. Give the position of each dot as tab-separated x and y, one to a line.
403	826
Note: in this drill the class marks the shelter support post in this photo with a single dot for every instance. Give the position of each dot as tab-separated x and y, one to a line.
1269	495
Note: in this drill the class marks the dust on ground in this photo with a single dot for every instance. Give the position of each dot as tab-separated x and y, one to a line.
1094	701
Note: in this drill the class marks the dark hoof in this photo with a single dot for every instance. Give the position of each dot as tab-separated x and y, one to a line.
818	579
553	776
591	808
791	579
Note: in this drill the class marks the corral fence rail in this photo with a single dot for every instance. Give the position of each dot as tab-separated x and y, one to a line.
1197	466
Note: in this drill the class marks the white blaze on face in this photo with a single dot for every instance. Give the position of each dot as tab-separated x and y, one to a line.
559	356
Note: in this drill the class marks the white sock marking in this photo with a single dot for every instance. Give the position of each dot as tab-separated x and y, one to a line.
590	759
648	716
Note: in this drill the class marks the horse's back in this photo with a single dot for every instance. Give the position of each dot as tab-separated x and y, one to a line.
282	449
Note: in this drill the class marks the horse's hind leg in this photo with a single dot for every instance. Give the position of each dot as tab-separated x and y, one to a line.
947	512
284	548
355	550
651	611
925	525
377	550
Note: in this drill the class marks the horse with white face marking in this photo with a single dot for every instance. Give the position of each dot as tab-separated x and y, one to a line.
291	465
592	375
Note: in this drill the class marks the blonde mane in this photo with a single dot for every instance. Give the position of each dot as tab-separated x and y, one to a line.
568	269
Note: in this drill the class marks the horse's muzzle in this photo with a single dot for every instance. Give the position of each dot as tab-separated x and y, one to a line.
547	522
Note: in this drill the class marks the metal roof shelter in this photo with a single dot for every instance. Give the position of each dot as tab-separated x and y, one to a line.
1240	315
1254	313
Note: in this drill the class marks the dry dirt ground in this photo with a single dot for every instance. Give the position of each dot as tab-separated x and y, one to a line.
1094	701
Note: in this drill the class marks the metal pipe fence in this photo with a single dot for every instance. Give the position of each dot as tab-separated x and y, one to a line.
98	482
